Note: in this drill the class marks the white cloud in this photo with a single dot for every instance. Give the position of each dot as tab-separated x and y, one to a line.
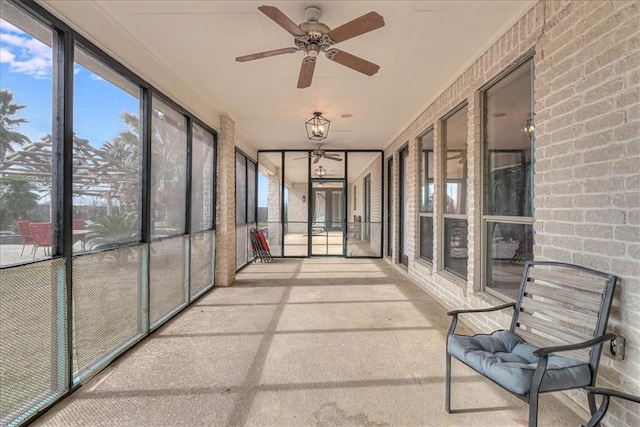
23	53
6	27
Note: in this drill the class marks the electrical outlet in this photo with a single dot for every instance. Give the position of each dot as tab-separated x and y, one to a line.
616	347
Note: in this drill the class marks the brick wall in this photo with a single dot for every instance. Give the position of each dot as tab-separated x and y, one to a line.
226	204
587	164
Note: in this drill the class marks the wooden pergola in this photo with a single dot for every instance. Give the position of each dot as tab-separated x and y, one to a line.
95	174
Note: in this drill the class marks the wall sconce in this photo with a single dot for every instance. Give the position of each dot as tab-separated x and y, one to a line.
320	172
317	127
528	127
304	198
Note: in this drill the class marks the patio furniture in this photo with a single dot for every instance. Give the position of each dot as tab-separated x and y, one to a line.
260	246
555	339
25	233
604	405
41	232
79	231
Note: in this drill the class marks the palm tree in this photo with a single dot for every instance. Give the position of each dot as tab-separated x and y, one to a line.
8	135
17	198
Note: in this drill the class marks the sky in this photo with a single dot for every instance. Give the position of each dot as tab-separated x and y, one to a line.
25	69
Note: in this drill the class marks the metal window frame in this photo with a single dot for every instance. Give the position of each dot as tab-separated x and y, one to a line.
421	214
310	177
485	218
442	178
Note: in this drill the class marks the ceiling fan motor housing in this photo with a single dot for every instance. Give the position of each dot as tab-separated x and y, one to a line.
312	14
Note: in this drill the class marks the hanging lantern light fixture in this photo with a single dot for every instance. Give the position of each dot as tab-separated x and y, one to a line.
320	172
317	127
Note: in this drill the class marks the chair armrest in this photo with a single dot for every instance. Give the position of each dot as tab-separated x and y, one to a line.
481	310
613	393
454	314
544	351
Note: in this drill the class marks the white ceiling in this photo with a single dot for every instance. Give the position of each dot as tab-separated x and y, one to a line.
188	49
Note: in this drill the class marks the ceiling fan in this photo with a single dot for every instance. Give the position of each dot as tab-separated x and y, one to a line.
314	37
319	154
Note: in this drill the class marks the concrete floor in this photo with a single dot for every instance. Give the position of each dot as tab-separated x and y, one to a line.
315	342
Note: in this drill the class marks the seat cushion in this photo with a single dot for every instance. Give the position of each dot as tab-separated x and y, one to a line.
503	357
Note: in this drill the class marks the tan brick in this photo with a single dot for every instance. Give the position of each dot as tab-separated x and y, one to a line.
593	201
605	216
610	152
598	262
603	185
630	97
596	109
558	176
633	182
594	140
571	243
594	170
563	228
625	267
627	166
569	215
604	91
626	200
630	131
604	247
606	121
555	254
594	230
567	134
566	161
627	233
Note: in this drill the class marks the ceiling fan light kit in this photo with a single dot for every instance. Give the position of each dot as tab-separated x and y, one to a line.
314	37
317	127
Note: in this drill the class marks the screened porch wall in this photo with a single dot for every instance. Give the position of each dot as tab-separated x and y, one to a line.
585	163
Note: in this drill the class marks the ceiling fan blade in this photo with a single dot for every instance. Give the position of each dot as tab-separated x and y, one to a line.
281	19
306	72
266	54
316	160
353	62
300	158
332	157
369	22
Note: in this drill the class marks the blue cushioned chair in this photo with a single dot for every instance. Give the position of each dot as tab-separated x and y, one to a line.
555	339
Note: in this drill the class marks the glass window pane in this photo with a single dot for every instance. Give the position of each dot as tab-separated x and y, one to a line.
426	173
241	189
25	146
509	246
269	199
426	238
168	170
202	180
455	246
251	191
296	204
454	134
107	173
508	144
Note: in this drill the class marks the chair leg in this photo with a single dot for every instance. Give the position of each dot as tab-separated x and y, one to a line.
533	410
447	385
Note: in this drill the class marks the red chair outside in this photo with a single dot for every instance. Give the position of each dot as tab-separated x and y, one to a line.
41	232
78	226
25	233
